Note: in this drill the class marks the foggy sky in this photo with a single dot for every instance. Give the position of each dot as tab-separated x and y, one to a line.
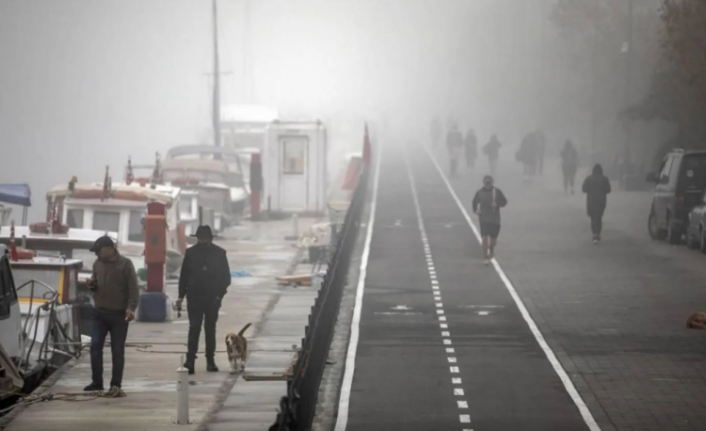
85	83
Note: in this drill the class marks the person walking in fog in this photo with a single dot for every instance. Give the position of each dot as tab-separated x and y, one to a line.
454	143
204	280
471	144
597	187
115	298
486	204
492	150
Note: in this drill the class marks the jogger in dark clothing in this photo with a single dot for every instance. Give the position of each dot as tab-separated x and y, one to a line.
569	165
597	187
487	203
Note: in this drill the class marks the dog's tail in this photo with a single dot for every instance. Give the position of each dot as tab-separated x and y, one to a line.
245	328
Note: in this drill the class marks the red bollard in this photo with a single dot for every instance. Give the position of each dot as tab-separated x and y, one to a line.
366	147
155	246
255	185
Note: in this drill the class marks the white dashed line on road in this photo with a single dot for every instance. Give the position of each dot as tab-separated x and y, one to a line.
446	335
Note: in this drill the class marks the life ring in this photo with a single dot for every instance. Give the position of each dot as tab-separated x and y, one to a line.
181	237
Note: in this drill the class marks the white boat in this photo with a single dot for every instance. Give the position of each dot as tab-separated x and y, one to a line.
39	314
220	176
73	244
121	209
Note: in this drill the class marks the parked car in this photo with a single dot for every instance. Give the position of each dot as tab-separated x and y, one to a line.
679	188
695	233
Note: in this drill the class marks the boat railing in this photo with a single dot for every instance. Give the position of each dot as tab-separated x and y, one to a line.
32	322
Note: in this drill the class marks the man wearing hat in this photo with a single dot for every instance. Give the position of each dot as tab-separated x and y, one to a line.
204	280
115	298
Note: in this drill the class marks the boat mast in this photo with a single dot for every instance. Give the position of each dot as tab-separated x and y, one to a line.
216	81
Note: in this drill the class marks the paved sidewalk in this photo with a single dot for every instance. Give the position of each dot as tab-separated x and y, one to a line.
150	372
615	313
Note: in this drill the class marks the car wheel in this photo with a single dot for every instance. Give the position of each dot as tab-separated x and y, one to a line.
703	241
673	235
656	233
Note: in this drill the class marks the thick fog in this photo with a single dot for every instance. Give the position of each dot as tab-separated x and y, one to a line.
85	83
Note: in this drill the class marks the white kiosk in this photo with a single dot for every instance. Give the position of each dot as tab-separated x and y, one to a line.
294	168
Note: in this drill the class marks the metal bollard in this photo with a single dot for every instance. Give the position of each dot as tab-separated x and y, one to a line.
182	394
295	225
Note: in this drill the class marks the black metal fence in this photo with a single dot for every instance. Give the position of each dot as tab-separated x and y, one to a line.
297	408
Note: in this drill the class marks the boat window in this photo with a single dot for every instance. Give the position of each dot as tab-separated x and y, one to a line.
88	257
74	218
136	230
185	207
49	276
106	221
293	156
73	284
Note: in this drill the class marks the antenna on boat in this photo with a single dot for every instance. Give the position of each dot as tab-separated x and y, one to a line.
13	244
106	186
129	175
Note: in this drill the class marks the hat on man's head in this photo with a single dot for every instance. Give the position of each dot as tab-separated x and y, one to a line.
204	231
104	241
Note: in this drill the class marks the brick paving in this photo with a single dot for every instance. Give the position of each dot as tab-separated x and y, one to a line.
615	313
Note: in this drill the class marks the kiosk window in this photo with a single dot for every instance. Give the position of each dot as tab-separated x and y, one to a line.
293	156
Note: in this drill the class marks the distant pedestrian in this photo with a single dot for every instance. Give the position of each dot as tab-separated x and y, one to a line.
115	298
454	143
204	280
597	187
471	144
527	155
569	166
492	150
487	203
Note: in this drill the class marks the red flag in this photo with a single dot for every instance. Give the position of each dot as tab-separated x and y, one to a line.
366	146
106	185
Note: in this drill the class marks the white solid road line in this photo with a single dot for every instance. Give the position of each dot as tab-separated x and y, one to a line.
345	398
558	368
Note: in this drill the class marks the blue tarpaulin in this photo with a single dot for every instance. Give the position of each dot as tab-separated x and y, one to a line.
16	194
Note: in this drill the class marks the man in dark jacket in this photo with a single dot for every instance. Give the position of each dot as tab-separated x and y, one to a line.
597	187
115	298
204	280
487	203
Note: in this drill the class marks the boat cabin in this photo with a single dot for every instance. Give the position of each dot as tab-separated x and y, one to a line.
122	211
73	244
42	280
219	175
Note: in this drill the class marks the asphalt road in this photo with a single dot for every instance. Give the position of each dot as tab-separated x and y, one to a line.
443	344
609	319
